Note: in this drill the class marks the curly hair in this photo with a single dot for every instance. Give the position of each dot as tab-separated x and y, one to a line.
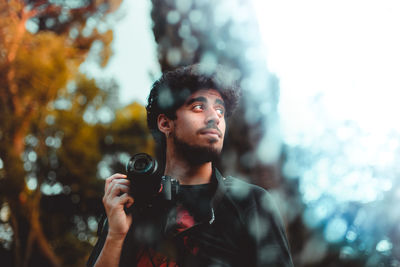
174	87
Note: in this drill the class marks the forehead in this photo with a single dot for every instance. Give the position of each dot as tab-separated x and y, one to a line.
206	93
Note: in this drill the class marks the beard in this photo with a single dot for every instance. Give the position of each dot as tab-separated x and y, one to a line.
196	154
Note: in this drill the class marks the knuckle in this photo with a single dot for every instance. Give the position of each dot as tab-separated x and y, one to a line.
109	205
112	177
113	184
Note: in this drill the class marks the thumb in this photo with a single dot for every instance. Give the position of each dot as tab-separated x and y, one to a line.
129	219
129	201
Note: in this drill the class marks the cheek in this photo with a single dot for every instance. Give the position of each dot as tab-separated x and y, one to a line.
223	128
184	129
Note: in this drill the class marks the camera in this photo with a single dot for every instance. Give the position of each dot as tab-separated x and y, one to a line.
147	180
145	174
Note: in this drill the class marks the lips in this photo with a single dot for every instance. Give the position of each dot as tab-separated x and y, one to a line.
213	132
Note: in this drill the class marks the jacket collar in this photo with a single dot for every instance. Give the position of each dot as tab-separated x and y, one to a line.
219	182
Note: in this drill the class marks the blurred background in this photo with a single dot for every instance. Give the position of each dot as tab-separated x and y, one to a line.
317	125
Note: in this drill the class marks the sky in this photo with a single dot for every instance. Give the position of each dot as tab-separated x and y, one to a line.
134	63
345	52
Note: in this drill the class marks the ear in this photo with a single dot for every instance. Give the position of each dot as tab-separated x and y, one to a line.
164	124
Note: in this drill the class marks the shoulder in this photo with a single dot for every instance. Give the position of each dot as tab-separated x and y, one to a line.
248	196
241	190
257	208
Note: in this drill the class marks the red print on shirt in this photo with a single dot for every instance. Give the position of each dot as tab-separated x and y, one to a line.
183	220
151	258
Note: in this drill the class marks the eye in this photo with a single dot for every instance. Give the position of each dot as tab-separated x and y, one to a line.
197	107
220	110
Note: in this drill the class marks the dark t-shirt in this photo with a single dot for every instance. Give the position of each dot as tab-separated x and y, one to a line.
191	208
195	199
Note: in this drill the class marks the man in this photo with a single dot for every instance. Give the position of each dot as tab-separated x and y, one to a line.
212	220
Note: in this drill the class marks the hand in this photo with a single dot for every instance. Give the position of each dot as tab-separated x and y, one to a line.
115	198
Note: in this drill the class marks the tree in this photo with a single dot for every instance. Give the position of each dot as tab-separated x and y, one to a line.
42	44
92	147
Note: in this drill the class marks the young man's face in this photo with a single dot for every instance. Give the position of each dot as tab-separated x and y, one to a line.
199	127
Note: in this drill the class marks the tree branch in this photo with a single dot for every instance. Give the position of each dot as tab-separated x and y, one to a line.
16	239
22	128
41	239
29	244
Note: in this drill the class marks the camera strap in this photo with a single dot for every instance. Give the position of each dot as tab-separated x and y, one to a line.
170	188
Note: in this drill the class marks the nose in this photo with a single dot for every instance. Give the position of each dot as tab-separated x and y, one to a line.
212	117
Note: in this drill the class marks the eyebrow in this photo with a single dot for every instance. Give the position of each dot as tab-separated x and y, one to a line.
196	99
203	100
219	101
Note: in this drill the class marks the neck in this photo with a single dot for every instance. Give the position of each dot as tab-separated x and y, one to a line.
186	172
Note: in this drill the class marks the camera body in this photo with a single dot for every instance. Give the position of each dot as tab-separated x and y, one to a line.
144	173
147	180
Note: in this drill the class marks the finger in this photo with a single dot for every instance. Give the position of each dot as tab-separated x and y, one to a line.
129	219
117	190
117	202
126	200
114	190
114	182
112	178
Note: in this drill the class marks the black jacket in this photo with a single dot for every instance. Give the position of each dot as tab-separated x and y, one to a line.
243	229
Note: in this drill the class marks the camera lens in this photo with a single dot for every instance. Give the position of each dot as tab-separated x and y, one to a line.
142	165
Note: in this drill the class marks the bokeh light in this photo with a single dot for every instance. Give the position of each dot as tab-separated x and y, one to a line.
338	65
